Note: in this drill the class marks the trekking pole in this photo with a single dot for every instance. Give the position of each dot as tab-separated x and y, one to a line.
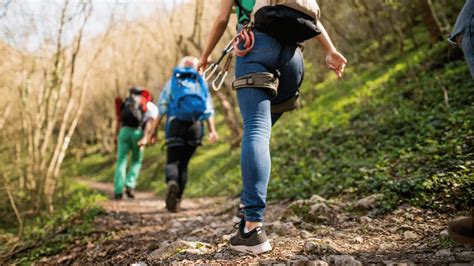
223	72
213	67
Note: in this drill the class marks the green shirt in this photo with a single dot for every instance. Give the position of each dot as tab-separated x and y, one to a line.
244	14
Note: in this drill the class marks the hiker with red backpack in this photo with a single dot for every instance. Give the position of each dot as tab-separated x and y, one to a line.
186	102
137	116
269	71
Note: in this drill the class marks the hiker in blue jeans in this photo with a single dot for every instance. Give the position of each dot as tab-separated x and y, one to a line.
463	33
260	109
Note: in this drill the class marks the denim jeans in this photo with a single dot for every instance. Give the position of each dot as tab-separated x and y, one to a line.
465	26
268	55
467	44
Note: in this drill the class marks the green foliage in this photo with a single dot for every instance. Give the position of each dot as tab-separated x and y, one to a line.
389	130
49	234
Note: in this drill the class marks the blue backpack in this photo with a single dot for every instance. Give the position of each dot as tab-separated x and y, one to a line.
188	95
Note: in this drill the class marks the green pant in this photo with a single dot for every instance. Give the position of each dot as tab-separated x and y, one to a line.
127	140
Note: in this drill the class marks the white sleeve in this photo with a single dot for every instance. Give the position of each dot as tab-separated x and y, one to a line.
151	111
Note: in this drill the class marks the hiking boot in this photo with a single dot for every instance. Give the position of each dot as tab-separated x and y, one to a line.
461	230
129	192
254	242
171	197
118	196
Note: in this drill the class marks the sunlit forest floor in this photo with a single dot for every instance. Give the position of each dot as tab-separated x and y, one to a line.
142	231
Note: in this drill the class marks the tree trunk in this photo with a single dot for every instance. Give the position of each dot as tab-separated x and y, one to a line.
430	21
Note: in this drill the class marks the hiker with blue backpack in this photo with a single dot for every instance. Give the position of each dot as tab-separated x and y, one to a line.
269	71
186	102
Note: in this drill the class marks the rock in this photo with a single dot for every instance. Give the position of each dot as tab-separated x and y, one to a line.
180	247
391	263
140	263
410	235
293	263
318	209
443	253
346	260
305	234
465	255
317	246
358	239
306	226
316	263
219	256
226	237
288	229
365	219
369	202
444	233
176	224
299	258
316	198
297	204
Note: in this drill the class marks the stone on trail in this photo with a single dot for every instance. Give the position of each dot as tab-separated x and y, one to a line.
410	235
365	219
288	229
299	258
358	239
443	253
369	202
318	209
320	246
343	260
465	256
317	263
317	199
180	247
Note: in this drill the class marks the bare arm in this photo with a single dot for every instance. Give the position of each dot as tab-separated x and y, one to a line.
334	60
218	29
149	129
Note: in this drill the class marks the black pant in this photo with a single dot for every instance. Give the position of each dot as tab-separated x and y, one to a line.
182	140
177	165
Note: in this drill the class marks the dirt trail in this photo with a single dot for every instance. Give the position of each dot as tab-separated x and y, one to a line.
141	231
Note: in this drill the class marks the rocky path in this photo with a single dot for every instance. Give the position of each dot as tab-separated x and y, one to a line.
142	232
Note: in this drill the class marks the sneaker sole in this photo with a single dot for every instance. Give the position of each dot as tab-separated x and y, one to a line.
258	249
171	200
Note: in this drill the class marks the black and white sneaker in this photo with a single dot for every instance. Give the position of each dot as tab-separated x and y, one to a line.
254	242
171	196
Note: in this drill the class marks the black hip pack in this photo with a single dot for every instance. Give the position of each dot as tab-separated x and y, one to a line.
286	24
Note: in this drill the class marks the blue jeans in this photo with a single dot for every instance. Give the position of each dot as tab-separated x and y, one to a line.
268	55
467	44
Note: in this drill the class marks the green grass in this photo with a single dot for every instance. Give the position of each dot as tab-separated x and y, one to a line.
74	216
385	129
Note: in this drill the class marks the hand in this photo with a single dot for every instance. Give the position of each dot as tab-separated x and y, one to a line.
153	139
202	64
213	136
337	62
142	142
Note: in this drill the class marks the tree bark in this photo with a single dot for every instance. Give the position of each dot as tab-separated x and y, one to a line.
430	21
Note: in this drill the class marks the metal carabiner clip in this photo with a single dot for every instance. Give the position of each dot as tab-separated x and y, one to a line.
213	67
223	72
